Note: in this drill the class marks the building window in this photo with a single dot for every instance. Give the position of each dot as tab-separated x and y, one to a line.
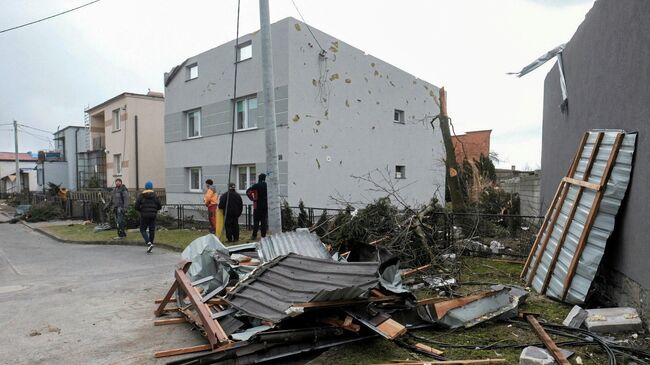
244	51
398	116
400	172
245	177
116	120
246	113
117	164
192	71
195	179
193	119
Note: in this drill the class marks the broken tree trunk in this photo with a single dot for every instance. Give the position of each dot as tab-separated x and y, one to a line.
452	169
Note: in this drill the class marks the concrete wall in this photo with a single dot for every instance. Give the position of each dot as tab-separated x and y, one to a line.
608	80
151	152
527	185
66	137
52	172
212	92
335	119
341	112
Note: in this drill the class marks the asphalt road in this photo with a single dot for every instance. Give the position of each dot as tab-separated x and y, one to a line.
82	304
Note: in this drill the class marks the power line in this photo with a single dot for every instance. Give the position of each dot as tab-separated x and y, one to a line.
308	27
49	17
34	128
36	136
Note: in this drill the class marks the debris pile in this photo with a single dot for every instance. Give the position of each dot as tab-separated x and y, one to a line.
287	295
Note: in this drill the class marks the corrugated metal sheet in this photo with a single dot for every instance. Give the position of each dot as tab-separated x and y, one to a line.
603	225
275	286
301	242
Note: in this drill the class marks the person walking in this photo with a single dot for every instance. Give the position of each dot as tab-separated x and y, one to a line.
211	200
120	203
148	204
232	206
257	193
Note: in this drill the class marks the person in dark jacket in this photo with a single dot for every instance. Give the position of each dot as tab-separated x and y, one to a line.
120	203
257	193
148	205
232	206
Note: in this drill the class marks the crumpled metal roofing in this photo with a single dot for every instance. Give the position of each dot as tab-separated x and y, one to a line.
277	285
300	242
603	226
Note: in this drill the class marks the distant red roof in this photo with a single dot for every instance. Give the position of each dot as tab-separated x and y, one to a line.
10	156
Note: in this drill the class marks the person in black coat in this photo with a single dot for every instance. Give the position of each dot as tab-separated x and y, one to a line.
232	207
148	205
257	193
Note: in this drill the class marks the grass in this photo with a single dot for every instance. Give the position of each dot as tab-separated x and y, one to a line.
474	270
177	238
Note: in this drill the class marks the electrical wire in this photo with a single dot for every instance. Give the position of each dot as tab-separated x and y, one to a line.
49	17
234	113
308	27
34	128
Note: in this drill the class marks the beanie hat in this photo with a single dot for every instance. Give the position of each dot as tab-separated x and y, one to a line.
148	185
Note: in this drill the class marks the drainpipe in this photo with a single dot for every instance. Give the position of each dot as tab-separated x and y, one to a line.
137	170
76	158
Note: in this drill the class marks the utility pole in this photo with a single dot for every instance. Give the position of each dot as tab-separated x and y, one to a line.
452	170
272	180
18	185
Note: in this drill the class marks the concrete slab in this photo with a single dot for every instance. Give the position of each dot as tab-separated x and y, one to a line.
612	320
533	355
576	317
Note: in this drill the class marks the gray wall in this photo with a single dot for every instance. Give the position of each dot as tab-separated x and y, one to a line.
344	121
528	187
52	171
607	66
341	124
71	150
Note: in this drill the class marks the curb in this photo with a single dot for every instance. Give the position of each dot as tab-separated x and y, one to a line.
107	243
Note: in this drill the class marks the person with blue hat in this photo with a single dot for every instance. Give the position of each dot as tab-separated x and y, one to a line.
148	205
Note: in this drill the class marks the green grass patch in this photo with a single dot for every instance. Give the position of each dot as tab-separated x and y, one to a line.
178	238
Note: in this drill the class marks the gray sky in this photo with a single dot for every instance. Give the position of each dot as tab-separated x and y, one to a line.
51	70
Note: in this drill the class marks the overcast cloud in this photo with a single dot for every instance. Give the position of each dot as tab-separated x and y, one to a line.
51	70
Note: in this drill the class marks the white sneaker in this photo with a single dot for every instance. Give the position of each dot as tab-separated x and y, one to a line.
149	247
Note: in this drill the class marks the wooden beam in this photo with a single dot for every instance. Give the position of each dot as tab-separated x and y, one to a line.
391	328
548	341
163	322
441	308
182	266
216	335
547	216
584	184
345	324
160	300
430	349
183	350
416	270
582	242
572	212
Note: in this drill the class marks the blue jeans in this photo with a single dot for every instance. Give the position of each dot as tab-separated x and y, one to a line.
119	221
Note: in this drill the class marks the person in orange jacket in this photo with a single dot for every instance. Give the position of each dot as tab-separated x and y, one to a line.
211	200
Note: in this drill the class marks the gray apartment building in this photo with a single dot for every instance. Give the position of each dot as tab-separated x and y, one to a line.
341	113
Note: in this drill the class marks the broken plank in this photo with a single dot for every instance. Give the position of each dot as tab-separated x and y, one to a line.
441	308
352	327
416	270
430	349
163	322
547	340
391	328
160	300
183	350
